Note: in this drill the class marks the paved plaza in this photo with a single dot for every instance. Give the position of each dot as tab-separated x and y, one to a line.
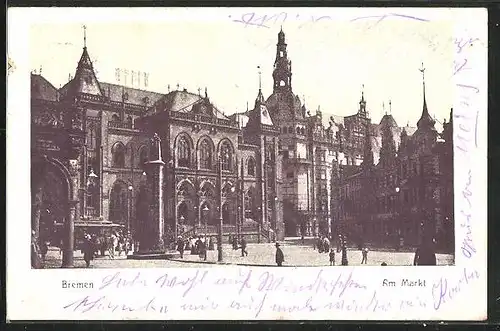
258	255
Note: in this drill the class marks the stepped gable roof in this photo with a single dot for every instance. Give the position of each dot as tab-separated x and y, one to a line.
42	89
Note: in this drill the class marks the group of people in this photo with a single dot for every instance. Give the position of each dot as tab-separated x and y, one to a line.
196	245
113	243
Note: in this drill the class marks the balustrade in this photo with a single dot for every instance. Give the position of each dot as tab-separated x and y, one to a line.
120	125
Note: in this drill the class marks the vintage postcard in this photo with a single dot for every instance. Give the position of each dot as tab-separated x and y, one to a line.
243	163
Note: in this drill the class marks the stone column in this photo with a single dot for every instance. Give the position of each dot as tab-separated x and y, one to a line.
69	230
155	176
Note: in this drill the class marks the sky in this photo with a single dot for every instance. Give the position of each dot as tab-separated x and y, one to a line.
334	52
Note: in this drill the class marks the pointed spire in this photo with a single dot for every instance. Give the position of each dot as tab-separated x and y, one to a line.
168	88
84	36
363	93
199	91
425	121
247	105
260	98
85	79
40	73
206	92
383	108
390	107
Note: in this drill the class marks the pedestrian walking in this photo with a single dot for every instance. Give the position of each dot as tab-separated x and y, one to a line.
202	249
180	246
243	247
320	244
235	243
120	245
344	255
280	257
364	252
302	239
326	244
111	246
332	257
88	250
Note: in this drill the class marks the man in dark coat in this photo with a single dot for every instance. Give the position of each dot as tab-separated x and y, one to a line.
243	247
180	246
280	257
88	250
425	254
344	254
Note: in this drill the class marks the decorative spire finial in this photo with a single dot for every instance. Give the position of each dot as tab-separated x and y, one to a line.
178	86
383	108
206	92
363	92
199	91
260	78
84	36
390	107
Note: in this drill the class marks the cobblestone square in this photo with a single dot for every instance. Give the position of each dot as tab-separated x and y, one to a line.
258	255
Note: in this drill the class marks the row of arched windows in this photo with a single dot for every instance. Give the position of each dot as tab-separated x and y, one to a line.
119	152
184	155
206	153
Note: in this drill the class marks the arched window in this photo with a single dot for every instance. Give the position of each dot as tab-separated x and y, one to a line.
183	153
298	130
205	155
115	118
143	156
129	122
290	129
251	167
118	152
226	155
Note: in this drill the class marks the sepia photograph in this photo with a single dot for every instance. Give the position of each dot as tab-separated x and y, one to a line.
203	150
247	164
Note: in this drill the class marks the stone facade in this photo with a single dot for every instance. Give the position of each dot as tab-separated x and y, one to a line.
275	170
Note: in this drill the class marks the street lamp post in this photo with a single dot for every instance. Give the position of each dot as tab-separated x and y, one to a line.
181	224
130	188
398	220
205	216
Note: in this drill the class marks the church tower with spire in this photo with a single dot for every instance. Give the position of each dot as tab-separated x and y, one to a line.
261	132
426	133
282	73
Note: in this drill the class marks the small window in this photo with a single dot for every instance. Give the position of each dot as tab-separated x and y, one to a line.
281	53
282	83
290	174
